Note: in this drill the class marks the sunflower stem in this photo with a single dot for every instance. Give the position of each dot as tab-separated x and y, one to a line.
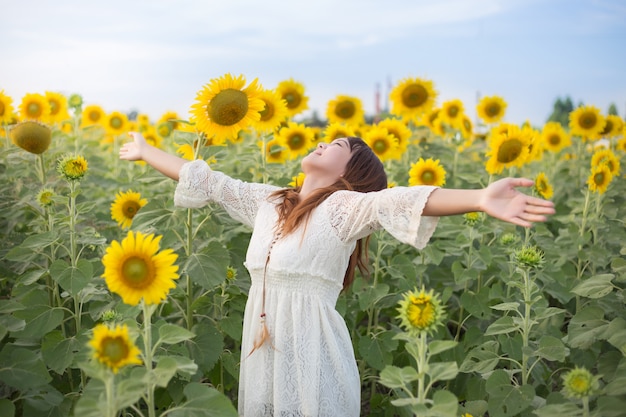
111	409
42	169
421	367
147	344
526	325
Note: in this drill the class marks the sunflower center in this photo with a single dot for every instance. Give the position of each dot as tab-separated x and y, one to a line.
228	107
93	116
293	99
268	112
554	139
588	120
492	110
2	108
453	111
130	208
116	123
380	146
428	177
345	110
509	151
54	107
33	109
414	95
598	178
579	384
137	272
608	127
296	141
114	349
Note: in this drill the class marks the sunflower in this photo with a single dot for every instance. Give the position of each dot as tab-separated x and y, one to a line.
412	97
225	105
72	167
276	150
429	118
293	93
274	111
399	130
6	108
508	149
135	271
337	130
32	136
45	197
621	144
543	187
421	311
600	178
34	107
113	347
298	180
580	383
151	136
383	143
93	115
345	109
452	113
586	121
297	137
535	149
116	123
125	206
554	137
58	107
613	127
427	172
606	156
467	128
491	109
170	117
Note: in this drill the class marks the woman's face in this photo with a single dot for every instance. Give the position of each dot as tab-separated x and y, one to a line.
328	159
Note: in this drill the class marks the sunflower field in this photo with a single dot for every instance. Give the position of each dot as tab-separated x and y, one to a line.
113	302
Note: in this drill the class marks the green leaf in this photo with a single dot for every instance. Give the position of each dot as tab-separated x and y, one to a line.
503	325
395	377
617	386
204	401
616	334
130	389
40	240
7	408
72	279
595	287
506	306
559	410
58	352
506	400
377	349
585	327
438	346
40	319
482	359
477	304
445	404
552	349
22	369
164	371
371	295
172	334
208	270
206	348
443	371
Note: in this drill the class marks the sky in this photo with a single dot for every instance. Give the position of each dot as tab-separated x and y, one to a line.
154	56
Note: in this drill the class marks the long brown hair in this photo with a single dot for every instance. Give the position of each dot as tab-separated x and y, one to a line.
364	173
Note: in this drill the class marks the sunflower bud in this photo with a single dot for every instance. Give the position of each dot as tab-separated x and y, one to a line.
33	137
44	198
111	315
231	273
579	383
421	311
529	257
472	218
72	167
75	101
508	239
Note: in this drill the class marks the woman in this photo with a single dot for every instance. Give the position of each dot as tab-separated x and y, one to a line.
297	357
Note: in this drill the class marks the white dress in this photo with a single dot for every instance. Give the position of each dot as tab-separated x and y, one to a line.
310	371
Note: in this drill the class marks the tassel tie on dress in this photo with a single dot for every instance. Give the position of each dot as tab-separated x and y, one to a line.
264	334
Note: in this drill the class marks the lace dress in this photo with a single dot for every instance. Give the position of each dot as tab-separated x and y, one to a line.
309	370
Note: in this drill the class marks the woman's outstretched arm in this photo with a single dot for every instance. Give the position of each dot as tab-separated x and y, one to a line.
500	199
140	150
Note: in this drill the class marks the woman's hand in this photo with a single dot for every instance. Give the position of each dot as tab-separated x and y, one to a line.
133	151
502	201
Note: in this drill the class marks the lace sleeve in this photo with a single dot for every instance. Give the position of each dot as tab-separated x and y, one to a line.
199	185
398	210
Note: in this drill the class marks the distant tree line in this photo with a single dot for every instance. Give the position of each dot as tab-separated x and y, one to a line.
562	109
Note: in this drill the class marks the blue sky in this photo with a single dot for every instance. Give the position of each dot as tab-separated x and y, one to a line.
154	56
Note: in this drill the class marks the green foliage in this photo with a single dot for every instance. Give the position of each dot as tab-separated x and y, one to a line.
513	328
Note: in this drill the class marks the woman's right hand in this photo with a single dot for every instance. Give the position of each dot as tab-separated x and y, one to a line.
133	151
